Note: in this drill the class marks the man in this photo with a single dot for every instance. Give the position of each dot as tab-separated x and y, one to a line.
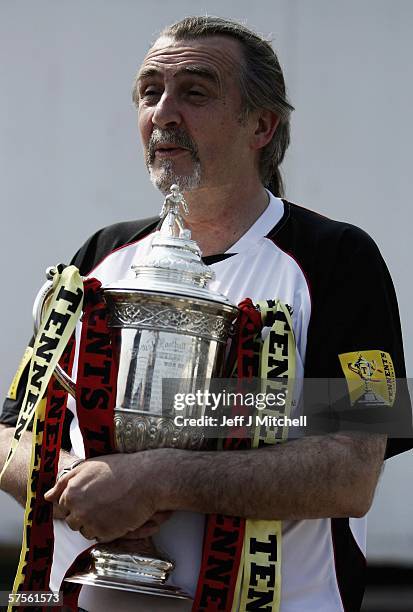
213	118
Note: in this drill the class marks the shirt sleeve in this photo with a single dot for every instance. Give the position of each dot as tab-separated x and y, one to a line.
355	341
12	405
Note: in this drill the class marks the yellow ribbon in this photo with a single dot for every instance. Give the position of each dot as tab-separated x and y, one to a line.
52	337
259	575
58	324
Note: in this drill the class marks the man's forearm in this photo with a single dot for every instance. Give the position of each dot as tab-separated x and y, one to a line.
326	476
14	480
330	476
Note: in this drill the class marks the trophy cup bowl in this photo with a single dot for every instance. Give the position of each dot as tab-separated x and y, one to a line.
171	337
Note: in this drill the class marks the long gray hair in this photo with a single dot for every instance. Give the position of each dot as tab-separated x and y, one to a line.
261	81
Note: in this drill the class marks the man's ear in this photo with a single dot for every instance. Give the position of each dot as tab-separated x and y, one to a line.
265	124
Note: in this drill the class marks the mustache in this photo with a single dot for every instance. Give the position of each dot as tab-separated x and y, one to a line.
172	136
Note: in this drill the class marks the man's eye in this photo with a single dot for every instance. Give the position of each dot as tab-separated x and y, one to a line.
195	92
150	93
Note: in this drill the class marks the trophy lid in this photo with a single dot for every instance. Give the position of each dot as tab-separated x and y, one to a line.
173	264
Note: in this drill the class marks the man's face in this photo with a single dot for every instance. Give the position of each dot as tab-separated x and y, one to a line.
189	113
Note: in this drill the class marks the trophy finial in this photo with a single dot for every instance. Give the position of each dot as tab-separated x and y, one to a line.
171	213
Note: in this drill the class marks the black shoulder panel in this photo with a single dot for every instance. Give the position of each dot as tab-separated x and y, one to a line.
110	238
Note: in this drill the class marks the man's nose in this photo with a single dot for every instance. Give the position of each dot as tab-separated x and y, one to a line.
167	113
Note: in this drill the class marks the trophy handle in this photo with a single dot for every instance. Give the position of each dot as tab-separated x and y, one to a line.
39	309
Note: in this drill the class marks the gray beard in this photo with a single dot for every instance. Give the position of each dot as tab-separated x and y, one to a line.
163	178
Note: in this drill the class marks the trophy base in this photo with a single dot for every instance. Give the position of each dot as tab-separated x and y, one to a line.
130	565
146	588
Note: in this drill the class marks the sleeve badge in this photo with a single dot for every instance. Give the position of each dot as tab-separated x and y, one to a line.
370	377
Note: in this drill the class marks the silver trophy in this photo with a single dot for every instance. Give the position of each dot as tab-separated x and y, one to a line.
173	335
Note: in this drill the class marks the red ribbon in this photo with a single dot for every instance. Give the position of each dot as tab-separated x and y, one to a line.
224	535
39	535
95	399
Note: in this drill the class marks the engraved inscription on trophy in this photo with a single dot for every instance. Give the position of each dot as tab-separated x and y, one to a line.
155	359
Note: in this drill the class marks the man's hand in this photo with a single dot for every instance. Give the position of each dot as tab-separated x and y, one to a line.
150	527
14	480
65	461
108	497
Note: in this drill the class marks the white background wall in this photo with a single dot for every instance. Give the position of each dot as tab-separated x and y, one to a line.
70	160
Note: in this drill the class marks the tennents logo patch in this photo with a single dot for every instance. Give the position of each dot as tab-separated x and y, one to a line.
370	377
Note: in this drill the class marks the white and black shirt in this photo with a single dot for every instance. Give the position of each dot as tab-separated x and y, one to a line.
343	300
